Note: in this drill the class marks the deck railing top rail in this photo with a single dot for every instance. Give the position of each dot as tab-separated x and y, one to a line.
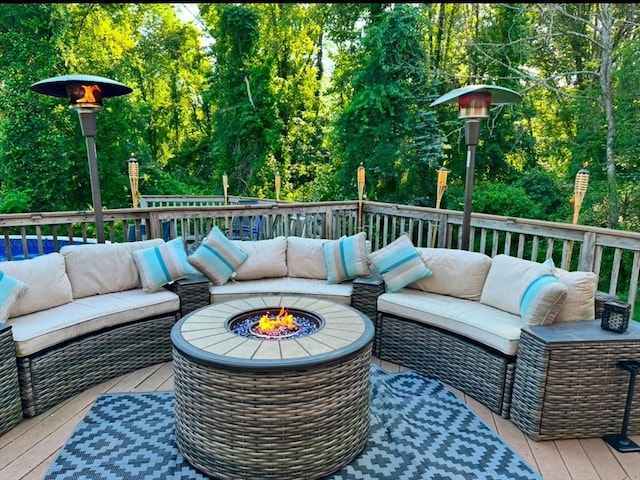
614	255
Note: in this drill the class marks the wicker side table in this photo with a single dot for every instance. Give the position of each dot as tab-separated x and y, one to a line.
193	292
10	403
567	384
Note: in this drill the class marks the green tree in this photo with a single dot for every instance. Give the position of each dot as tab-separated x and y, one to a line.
387	125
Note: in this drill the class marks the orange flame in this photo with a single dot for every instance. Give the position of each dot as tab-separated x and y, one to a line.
89	97
84	94
268	324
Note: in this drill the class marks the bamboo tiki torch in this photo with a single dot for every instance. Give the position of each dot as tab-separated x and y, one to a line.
278	184
225	188
133	180
360	177
579	190
442	186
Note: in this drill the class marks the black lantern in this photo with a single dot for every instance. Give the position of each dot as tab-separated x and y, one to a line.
615	316
85	94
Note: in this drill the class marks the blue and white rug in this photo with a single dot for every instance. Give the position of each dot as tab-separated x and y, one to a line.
419	431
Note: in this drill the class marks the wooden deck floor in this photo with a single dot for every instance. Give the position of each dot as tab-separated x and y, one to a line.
27	450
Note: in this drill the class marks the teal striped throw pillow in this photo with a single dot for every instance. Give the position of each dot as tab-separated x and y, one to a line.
163	264
399	263
217	257
11	289
346	258
542	300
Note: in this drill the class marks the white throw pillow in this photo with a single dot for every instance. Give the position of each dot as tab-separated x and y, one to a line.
86	266
305	258
457	273
266	258
507	280
46	279
581	292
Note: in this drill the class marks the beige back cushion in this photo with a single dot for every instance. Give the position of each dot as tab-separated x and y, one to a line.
267	258
46	279
305	258
581	291
96	269
457	273
507	281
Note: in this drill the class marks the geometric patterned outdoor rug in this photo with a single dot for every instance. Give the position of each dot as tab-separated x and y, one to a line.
419	430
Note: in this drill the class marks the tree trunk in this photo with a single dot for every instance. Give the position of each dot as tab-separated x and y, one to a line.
606	66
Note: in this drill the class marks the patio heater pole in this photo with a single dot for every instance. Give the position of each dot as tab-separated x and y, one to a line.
474	102
360	178
85	94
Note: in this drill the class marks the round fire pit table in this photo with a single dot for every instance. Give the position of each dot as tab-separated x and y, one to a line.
287	408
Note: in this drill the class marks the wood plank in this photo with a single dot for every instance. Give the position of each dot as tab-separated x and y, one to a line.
602	459
28	449
549	461
576	460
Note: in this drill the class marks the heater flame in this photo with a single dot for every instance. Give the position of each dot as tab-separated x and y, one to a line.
84	94
282	323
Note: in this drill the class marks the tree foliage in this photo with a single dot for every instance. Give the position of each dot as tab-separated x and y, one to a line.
312	91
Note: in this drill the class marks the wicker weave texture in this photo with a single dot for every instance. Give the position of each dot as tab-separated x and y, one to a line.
10	405
572	390
294	424
51	376
485	375
193	295
364	297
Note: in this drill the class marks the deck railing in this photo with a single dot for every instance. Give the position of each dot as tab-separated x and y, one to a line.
613	255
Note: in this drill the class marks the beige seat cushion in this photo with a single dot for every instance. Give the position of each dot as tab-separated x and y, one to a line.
492	327
457	273
39	330
46	279
96	269
340	292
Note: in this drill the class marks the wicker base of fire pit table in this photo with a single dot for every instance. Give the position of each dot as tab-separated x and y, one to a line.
254	408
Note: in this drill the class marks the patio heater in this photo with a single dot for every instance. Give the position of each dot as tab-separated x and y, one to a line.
474	102
85	94
360	178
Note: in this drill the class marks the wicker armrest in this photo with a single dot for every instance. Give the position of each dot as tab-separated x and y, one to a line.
364	297
10	404
193	292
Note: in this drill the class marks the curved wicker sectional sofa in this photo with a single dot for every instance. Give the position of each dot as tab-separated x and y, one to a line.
460	324
84	319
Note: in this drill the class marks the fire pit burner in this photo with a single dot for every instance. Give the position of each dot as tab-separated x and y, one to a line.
264	325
